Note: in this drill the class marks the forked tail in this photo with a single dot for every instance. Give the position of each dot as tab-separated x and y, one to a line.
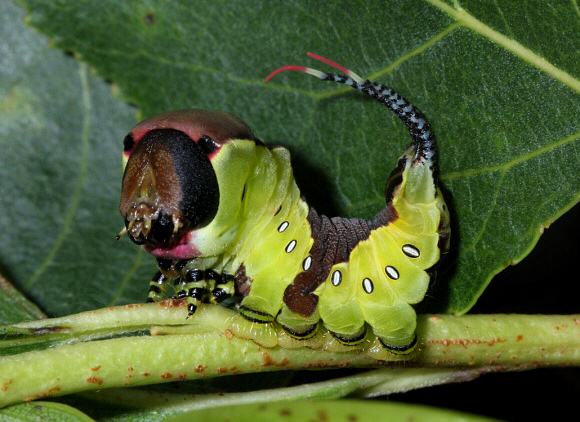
423	138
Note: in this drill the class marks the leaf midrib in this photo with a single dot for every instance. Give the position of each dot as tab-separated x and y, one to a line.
470	22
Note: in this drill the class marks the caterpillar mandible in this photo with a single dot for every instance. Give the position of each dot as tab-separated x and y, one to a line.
222	214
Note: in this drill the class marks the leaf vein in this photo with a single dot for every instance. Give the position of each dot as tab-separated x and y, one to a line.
511	163
511	45
83	169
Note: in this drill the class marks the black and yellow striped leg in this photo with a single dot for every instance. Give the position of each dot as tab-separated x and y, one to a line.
195	288
158	287
179	286
224	288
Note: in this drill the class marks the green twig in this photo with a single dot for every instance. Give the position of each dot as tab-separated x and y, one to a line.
77	356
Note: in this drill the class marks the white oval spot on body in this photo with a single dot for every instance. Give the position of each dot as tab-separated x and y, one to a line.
336	278
307	263
283	226
368	285
392	272
411	251
290	246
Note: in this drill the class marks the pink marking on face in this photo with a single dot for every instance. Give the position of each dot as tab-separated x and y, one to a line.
186	121
220	126
182	250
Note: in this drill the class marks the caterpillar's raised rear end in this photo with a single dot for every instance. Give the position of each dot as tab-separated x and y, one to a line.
389	266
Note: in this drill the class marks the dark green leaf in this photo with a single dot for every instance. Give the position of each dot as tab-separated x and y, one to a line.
347	410
42	411
60	172
501	94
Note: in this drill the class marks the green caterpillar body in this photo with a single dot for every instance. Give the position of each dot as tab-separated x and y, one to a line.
226	221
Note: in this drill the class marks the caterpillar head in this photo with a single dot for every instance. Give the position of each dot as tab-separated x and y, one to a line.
170	187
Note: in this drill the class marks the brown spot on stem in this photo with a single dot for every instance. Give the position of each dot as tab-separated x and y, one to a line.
285	412
6	385
269	361
53	390
519	337
199	368
96	368
467	342
166	375
130	306
322	415
145	374
222	370
352	418
95	380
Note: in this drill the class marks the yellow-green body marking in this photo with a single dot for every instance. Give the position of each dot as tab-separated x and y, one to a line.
223	215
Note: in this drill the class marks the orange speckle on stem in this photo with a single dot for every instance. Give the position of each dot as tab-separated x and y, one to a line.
229	335
95	380
166	375
6	385
199	368
269	361
467	342
322	415
53	390
519	337
96	368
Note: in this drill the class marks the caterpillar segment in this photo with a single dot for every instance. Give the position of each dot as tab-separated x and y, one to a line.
226	221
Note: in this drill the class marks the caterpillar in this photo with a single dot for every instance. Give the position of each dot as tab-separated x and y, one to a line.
224	218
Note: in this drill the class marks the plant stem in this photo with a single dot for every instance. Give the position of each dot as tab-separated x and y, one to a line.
505	341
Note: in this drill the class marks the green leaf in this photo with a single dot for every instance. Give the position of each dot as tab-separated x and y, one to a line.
348	410
60	172
501	94
14	307
42	411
